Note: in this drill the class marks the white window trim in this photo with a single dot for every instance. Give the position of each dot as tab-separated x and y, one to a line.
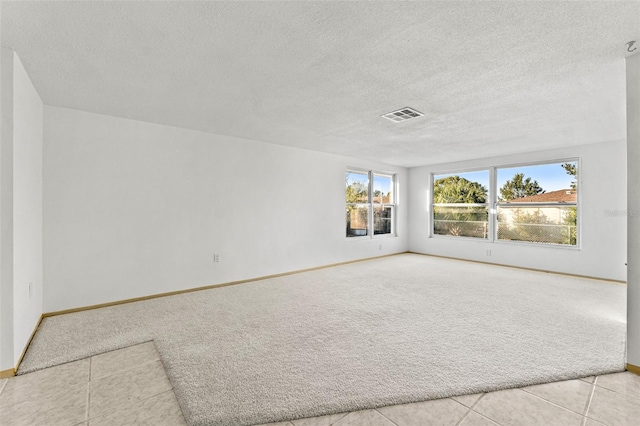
493	204
488	204
371	205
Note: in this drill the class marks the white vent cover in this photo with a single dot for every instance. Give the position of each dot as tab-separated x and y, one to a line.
402	114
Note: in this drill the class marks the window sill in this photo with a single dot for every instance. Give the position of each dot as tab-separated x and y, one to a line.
539	245
368	237
506	242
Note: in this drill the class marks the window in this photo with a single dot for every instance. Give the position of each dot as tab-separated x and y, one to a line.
538	204
461	204
358	205
531	203
370	203
383	204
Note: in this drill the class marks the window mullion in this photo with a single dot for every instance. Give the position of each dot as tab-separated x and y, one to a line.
493	209
371	230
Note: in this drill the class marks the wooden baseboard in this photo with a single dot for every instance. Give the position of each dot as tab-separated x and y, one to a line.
522	267
12	371
24	351
5	374
633	368
190	290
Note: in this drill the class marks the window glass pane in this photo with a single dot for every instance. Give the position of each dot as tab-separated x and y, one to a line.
554	183
357	221
469	187
382	217
383	189
554	190
357	187
457	218
548	224
461	221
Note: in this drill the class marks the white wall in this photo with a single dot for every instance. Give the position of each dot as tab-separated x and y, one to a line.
27	207
633	176
6	210
134	209
602	184
20	209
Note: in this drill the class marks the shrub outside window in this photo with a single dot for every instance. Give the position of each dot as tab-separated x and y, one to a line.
461	204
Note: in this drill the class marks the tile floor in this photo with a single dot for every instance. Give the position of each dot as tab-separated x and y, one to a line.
130	387
124	387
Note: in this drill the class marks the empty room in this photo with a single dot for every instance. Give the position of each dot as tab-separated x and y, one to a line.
314	213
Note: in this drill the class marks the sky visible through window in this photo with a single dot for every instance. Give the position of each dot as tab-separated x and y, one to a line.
550	177
381	183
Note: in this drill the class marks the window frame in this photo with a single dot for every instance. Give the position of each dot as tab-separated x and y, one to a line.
488	205
371	205
493	204
578	202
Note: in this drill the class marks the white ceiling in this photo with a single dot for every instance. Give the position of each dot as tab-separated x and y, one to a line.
492	78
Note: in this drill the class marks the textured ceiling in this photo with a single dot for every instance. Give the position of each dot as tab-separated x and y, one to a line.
491	78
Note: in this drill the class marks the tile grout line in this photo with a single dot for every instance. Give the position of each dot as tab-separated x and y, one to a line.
612	390
330	424
106	413
549	402
465	415
343	416
477	401
4	385
159	393
377	411
588	405
86	412
129	368
475	404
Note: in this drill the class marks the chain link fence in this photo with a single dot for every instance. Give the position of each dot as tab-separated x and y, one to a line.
461	228
544	225
538	233
529	232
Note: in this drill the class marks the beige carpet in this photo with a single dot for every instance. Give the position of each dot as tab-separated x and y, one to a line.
386	331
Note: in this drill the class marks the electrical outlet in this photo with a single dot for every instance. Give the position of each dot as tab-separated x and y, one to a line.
380	247
216	257
488	252
30	290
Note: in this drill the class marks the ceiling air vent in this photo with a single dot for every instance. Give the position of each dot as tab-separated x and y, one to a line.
402	114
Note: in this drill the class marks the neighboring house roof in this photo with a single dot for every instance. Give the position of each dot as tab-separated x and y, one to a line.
560	196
